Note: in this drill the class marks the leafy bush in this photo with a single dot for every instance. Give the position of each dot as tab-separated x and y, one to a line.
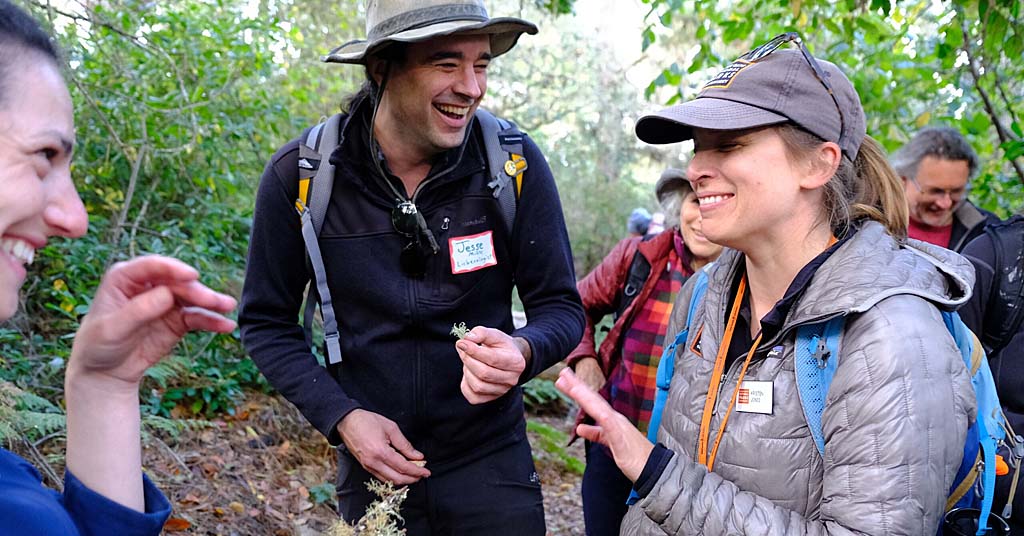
552	441
541	396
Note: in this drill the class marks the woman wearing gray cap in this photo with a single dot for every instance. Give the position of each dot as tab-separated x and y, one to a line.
814	225
637	283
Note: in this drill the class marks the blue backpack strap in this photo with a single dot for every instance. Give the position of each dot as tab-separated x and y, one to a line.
667	365
988	430
816	359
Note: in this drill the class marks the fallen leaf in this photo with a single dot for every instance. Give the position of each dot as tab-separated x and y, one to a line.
177	524
220	511
237	507
210	469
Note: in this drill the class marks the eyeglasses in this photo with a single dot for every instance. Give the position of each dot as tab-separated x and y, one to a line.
420	243
781	39
956	195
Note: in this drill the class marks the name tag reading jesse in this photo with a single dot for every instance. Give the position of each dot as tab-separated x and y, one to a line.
755	397
471	253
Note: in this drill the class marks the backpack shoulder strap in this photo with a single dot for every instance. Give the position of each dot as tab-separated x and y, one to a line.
667	364
815	362
315	167
503	143
636	277
325	137
988	430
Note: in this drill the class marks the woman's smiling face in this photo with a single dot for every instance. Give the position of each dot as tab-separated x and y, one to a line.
745	184
37	198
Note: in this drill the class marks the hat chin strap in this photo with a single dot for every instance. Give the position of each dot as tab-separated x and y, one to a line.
377	97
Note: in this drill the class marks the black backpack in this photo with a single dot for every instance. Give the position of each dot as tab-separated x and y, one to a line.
1005	313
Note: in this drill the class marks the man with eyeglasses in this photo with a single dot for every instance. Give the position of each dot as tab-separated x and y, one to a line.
936	167
414	242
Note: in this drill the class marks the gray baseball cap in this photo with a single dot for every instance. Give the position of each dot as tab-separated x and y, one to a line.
671	179
767	87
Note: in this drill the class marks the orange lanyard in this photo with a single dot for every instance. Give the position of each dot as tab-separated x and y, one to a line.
717	375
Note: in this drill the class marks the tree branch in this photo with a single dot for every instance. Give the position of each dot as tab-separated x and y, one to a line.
1004	136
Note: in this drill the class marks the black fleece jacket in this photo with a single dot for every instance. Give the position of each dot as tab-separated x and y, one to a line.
399	359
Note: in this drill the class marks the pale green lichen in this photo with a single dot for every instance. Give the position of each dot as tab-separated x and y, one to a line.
460	330
382	516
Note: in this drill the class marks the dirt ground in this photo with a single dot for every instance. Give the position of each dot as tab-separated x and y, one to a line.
267	471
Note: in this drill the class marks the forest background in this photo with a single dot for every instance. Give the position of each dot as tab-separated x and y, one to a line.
179	105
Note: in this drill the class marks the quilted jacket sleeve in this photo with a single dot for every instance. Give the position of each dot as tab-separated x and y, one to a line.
894	425
599	291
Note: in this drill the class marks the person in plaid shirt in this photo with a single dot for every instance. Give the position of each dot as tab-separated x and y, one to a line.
637	283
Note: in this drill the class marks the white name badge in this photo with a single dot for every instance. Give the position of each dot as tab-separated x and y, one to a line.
755	397
471	253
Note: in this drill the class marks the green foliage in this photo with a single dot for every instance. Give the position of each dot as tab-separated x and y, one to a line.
178	107
540	395
206	384
25	415
322	493
569	94
552	442
172	427
914	63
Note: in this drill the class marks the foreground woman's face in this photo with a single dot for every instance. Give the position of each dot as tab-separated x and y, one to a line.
37	197
746	185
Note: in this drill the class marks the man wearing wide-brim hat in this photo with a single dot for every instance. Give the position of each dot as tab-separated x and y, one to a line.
418	236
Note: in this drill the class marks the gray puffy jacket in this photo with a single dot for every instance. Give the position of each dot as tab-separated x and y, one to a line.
894	421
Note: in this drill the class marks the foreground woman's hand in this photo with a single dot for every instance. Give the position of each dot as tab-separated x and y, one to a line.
629	447
142	308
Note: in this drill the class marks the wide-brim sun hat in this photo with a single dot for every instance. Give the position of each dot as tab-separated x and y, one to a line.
768	87
412	21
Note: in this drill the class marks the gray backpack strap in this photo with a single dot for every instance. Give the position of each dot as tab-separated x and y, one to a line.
503	143
323	183
331	335
314	159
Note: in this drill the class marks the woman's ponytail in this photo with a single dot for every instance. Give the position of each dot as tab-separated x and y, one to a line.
878	190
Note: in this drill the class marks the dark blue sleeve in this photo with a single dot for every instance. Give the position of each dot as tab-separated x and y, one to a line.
28	507
545	277
95	514
275	278
655	465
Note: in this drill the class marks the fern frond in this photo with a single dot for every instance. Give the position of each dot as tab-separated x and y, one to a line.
172	427
169	369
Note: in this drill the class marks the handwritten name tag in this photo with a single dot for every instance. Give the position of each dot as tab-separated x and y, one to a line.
471	253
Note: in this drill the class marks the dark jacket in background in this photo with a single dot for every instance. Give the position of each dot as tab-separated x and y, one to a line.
399	358
969	222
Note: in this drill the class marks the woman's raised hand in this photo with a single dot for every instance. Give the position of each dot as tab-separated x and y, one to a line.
143	307
630	448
